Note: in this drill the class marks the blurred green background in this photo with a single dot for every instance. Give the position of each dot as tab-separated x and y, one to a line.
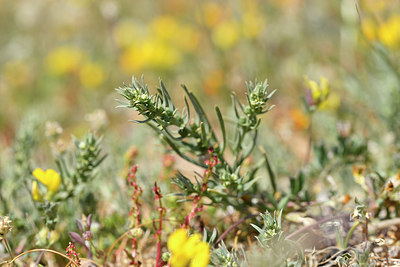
63	59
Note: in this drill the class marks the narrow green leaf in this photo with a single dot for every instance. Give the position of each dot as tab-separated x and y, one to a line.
283	202
222	125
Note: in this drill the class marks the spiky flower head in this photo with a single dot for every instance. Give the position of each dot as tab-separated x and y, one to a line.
5	226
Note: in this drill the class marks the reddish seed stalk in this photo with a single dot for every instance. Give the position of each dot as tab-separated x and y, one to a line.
161	210
197	206
135	210
137	192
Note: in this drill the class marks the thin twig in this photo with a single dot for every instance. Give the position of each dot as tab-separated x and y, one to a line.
233	226
40	250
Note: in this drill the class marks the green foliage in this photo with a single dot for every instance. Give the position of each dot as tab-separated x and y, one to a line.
24	146
82	166
277	249
223	257
192	138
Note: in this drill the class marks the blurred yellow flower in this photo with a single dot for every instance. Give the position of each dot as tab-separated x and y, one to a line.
317	93
64	60
91	75
331	103
151	53
36	195
165	27
50	178
131	60
225	35
188	250
16	73
389	32
359	177
125	33
252	24
168	29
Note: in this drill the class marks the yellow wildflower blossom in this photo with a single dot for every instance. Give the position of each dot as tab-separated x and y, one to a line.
36	195
188	250
64	60
359	177
389	32
225	35
91	75
165	27
252	24
149	54
50	178
318	93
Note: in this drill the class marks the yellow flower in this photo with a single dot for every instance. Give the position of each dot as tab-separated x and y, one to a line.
64	60
389	32
176	240
150	53
359	177
188	251
225	35
318	93
165	27
202	256
36	195
91	75
252	24
50	178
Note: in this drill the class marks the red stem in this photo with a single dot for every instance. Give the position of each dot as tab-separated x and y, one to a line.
159	231
159	261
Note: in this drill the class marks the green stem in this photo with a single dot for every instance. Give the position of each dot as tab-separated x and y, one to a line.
309	146
8	248
269	169
349	234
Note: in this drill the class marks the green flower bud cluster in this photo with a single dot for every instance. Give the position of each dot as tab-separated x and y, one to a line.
87	155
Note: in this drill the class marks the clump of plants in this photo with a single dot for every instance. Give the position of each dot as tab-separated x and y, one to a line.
169	221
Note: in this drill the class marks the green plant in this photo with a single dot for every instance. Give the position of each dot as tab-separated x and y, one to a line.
194	139
272	239
80	167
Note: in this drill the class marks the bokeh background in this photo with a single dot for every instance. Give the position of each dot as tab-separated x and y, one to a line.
63	59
